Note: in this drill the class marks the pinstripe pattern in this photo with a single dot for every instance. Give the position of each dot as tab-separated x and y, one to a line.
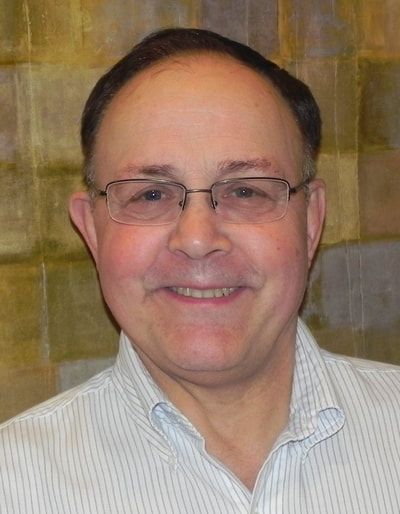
115	445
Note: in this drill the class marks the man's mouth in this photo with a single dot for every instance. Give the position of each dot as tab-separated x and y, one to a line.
204	293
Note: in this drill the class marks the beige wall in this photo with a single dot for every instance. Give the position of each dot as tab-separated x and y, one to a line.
53	328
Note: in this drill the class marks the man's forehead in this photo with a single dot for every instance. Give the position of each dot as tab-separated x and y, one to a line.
204	107
203	68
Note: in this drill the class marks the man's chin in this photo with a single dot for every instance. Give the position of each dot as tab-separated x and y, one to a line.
195	360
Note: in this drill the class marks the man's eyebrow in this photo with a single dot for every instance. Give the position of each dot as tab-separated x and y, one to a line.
225	167
153	170
230	166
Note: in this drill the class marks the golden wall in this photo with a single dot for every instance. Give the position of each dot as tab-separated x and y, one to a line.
54	330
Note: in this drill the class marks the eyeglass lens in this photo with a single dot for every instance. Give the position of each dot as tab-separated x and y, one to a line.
236	200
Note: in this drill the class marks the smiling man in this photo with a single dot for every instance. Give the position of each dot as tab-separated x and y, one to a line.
203	215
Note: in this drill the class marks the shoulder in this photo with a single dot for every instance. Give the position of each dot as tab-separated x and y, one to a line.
58	406
41	447
373	382
349	376
361	366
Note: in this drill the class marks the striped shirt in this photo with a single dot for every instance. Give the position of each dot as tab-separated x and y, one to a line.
116	445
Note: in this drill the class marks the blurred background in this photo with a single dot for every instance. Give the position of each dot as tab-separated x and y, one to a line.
54	329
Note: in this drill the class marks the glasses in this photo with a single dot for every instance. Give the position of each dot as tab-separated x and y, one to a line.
235	200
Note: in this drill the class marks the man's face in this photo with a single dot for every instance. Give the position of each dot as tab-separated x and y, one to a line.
194	116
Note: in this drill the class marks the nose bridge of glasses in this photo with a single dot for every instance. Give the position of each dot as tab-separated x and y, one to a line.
201	190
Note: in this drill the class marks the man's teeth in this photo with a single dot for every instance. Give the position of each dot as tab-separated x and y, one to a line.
204	293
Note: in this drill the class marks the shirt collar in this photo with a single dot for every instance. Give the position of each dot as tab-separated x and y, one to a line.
315	412
139	390
136	383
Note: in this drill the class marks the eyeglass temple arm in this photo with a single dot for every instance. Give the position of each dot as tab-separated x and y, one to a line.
100	192
299	187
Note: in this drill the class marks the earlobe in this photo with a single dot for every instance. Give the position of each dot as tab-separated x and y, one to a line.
81	213
315	216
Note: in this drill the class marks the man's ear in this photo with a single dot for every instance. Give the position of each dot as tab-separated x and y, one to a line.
81	212
315	216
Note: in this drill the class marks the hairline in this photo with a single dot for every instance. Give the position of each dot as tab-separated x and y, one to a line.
308	170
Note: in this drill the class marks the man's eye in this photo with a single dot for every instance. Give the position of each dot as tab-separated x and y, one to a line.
148	195
151	195
244	192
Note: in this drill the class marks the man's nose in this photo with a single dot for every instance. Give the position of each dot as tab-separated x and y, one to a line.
198	231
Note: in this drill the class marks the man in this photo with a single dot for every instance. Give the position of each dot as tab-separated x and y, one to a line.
203	215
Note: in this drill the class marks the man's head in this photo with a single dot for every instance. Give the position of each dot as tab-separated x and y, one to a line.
211	295
171	43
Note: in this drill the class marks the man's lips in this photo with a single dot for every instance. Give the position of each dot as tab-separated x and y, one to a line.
203	293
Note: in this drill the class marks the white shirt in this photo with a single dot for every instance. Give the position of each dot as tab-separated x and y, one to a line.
116	445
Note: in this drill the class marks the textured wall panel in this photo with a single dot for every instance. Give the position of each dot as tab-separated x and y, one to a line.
21	315
78	327
252	22
380	104
54	329
317	28
379	185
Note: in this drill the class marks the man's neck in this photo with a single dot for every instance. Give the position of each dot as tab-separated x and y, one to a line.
240	422
242	433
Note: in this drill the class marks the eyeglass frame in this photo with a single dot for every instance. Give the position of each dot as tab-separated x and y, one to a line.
290	191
